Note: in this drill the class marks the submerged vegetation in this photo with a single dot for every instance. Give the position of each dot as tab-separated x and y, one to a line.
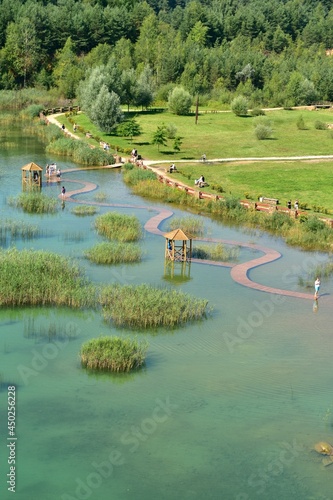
11	229
145	306
34	202
113	354
115	226
114	253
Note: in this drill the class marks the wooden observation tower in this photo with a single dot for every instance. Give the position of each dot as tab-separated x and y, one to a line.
178	246
31	176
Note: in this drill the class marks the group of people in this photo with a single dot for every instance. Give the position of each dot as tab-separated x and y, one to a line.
52	170
295	205
200	182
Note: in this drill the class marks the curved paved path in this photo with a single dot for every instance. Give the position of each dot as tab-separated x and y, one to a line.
239	272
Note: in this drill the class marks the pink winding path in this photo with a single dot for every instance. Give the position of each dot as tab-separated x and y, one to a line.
239	272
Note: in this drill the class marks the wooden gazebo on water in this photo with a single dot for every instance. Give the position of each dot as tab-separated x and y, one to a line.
178	246
31	175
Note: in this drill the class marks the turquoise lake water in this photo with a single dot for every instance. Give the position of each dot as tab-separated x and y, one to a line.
226	408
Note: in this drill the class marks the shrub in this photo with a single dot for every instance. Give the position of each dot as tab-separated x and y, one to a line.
34	202
171	131
240	106
114	253
144	306
300	123
113	354
320	125
119	227
32	111
179	101
128	166
231	202
257	112
314	225
263	132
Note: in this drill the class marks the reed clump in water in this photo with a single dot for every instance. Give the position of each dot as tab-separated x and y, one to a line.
191	225
114	253
83	210
133	176
11	229
101	196
216	252
42	278
113	354
80	152
34	202
145	306
116	226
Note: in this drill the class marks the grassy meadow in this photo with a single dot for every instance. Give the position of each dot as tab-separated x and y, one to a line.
223	135
309	181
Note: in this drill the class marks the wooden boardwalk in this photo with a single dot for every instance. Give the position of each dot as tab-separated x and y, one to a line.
239	272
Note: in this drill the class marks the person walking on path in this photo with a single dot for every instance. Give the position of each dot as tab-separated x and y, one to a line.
317	287
63	192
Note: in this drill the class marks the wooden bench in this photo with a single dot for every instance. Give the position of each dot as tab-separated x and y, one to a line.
274	201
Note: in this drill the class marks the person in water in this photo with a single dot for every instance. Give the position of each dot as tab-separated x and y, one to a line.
317	287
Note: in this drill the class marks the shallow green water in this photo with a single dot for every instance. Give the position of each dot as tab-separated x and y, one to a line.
228	408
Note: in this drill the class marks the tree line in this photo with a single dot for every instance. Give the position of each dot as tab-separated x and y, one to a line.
273	53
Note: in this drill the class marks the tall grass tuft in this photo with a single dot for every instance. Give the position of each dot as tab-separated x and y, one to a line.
113	354
80	152
83	210
32	111
34	202
145	306
48	133
190	225
42	278
100	196
216	252
13	229
135	175
115	226
114	253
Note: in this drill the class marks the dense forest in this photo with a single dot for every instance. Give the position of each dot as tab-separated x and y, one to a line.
273	52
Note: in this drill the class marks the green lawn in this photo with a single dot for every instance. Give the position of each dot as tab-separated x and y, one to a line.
310	182
224	135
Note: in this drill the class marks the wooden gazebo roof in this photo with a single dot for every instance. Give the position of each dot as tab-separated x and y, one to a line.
178	235
32	167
